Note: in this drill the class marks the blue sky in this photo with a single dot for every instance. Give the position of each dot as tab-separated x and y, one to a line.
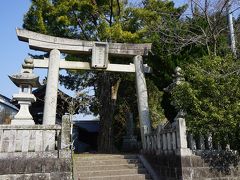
13	51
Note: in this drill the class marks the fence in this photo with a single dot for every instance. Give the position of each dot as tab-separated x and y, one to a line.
174	139
35	138
27	138
168	139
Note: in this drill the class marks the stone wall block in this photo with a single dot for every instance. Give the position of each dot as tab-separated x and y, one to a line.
186	161
235	171
35	176
18	166
197	161
39	176
34	166
203	173
187	174
5	167
49	165
65	165
173	161
63	175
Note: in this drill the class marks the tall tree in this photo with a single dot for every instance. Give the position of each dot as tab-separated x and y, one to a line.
212	103
104	20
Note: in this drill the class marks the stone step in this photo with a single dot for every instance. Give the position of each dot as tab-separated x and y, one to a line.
106	162
86	157
111	172
108	167
119	177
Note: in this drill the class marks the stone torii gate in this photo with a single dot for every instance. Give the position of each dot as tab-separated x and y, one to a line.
99	52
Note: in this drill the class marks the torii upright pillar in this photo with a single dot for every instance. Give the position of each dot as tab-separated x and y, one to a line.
143	109
50	104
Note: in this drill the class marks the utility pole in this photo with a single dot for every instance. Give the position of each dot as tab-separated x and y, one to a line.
231	29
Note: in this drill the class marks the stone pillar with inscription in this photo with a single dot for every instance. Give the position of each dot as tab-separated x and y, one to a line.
129	141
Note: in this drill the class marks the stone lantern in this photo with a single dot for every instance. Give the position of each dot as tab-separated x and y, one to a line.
25	80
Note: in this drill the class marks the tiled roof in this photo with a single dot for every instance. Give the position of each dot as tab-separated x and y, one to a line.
6	101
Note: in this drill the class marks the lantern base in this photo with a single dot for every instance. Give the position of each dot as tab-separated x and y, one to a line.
22	122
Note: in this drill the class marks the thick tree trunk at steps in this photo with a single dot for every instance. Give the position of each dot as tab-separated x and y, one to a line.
105	138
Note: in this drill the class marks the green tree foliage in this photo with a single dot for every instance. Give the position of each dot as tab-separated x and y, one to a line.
210	96
183	38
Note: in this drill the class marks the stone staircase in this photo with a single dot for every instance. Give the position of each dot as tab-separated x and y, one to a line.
108	167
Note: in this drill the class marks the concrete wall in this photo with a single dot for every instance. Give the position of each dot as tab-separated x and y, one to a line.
212	166
35	151
35	168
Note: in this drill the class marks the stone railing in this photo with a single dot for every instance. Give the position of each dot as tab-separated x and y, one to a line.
202	144
169	139
35	138
174	139
29	138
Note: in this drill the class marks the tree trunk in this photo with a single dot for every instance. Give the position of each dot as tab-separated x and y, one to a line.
105	138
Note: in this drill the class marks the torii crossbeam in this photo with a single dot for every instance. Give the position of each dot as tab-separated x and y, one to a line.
46	43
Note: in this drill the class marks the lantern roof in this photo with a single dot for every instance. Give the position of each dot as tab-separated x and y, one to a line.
25	79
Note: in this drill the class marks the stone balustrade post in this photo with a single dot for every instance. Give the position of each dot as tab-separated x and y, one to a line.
164	142
152	143
192	142
65	144
174	145
158	141
169	143
183	150
155	143
209	141
202	143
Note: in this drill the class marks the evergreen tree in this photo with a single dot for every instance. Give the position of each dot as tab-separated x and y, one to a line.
104	20
210	96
